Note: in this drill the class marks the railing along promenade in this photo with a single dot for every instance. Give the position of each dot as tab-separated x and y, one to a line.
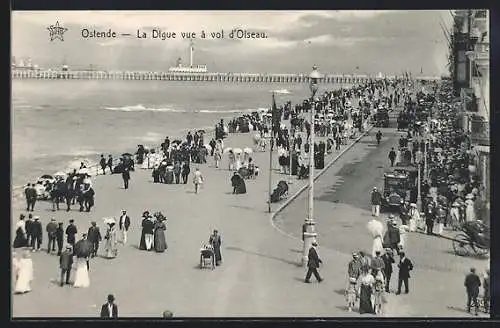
205	77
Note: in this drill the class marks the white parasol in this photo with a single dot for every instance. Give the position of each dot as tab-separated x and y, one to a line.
237	150
228	149
375	227
60	174
248	150
87	181
109	220
83	171
256	137
207	146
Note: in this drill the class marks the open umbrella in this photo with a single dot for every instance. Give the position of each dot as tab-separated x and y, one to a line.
127	155
46	176
375	227
109	220
177	141
60	174
83	248
207	146
248	150
83	171
256	138
228	149
237	150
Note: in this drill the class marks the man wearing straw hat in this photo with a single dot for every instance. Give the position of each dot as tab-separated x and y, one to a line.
94	236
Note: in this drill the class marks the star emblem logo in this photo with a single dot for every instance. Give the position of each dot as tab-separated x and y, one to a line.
56	31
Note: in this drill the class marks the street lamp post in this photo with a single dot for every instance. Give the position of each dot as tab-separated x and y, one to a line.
291	150
310	236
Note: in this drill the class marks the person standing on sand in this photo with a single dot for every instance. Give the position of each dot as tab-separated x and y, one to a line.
110	164
185	172
197	180
103	164
177	172
125	177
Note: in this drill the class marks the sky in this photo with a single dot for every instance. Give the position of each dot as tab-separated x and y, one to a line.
338	42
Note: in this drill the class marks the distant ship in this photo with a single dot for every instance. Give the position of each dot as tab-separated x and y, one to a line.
179	68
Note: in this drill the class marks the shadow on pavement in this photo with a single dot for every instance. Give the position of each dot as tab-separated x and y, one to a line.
457	309
232	248
340	292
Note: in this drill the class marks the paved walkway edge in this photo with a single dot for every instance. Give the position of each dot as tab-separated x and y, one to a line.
306	186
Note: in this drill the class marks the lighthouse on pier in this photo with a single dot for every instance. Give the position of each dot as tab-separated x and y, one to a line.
191	68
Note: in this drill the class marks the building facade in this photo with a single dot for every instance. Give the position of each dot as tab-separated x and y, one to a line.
471	80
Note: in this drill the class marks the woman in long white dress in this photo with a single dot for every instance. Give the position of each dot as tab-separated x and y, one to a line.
238	160
82	279
376	228
110	246
470	214
414	217
24	274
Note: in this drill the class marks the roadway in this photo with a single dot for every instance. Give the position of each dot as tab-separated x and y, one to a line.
342	209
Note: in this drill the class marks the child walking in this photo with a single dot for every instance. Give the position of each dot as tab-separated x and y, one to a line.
351	294
378	294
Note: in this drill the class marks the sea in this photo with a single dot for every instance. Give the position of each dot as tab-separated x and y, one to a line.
56	124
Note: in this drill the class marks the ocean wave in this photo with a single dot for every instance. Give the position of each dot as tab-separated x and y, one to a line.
222	111
282	91
142	108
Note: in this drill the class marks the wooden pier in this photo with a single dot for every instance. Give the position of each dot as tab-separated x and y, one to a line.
172	76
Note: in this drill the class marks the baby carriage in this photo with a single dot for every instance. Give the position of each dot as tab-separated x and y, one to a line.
207	257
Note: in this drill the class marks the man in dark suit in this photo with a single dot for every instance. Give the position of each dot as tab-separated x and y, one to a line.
30	193
313	262
59	237
37	229
51	233
125	177
405	266
123	225
430	217
94	236
71	231
65	263
109	310
472	284
388	261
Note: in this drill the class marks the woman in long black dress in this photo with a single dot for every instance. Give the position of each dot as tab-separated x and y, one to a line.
238	184
160	242
142	243
366	282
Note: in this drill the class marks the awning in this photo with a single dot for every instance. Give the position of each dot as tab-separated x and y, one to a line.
482	149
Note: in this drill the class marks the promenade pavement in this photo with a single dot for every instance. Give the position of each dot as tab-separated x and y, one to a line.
342	209
260	275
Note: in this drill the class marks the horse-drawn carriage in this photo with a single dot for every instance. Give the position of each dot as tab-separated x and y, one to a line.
474	239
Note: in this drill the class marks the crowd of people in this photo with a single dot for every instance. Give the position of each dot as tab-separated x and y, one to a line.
336	120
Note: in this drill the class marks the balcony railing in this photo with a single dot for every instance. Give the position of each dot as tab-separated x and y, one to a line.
480	131
482	50
482	13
